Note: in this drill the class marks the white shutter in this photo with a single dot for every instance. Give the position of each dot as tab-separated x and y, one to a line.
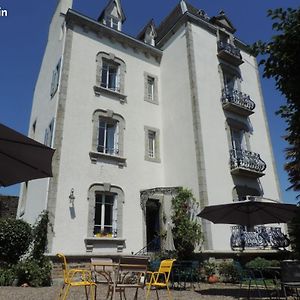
116	139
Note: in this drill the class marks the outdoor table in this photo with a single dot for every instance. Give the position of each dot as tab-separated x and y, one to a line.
108	270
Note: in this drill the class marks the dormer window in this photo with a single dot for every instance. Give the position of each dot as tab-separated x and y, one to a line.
113	16
112	22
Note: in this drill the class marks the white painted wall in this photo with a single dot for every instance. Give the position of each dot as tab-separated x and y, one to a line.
76	170
44	110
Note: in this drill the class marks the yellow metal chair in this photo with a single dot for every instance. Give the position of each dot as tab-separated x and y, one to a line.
76	277
160	279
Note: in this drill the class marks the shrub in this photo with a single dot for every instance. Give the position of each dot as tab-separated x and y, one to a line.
7	276
229	272
33	272
15	237
187	232
259	263
209	268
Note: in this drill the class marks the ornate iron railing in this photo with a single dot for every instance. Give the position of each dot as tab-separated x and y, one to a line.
262	237
229	48
247	160
238	98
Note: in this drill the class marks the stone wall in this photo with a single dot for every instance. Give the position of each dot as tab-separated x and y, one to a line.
8	206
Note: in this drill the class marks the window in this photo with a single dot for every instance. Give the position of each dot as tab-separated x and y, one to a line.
49	134
105	215
110	76
55	80
108	136
152	144
238	139
112	22
105	210
151	90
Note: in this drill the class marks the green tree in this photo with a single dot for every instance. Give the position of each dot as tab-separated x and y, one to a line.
187	232
281	61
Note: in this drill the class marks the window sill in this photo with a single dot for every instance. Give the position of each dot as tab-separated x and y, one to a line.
100	90
96	243
98	156
152	159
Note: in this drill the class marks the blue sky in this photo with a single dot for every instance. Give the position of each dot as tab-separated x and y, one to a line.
23	37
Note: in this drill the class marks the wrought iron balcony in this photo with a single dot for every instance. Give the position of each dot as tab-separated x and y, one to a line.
238	102
262	237
229	53
246	163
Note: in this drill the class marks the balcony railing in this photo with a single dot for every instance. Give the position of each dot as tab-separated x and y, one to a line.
243	162
261	237
230	53
237	101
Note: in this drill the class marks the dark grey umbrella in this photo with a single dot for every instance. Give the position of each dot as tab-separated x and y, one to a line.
250	212
22	158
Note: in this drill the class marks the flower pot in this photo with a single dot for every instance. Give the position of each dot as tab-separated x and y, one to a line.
212	278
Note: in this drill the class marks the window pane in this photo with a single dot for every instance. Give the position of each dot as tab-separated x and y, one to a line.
104	76
110	138
150	84
114	23
151	143
98	214
101	136
108	215
112	80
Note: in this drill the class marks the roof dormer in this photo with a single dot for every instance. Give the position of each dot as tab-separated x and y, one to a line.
113	15
222	21
148	34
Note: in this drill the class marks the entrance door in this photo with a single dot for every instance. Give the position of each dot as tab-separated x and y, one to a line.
153	225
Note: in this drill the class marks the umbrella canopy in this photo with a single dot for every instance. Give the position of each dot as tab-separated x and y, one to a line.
22	158
250	212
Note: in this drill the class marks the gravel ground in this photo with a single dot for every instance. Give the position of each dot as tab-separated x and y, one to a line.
206	291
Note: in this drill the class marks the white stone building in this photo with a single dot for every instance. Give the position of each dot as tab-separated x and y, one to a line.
132	119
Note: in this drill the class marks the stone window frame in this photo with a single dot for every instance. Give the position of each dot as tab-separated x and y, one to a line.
95	154
119	197
98	89
154	99
157	144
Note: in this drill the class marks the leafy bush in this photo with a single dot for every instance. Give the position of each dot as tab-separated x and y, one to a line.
15	237
229	272
7	276
209	268
187	232
39	233
33	272
259	263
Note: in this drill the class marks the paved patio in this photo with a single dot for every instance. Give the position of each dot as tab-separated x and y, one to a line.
206	291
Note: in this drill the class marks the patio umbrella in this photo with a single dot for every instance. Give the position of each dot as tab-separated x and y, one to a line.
250	212
169	246
22	158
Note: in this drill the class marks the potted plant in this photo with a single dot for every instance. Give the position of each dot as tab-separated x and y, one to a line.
210	271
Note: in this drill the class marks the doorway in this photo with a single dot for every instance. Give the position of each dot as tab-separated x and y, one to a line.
153	225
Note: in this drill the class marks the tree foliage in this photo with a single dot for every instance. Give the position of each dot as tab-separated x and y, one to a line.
15	237
281	61
187	232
